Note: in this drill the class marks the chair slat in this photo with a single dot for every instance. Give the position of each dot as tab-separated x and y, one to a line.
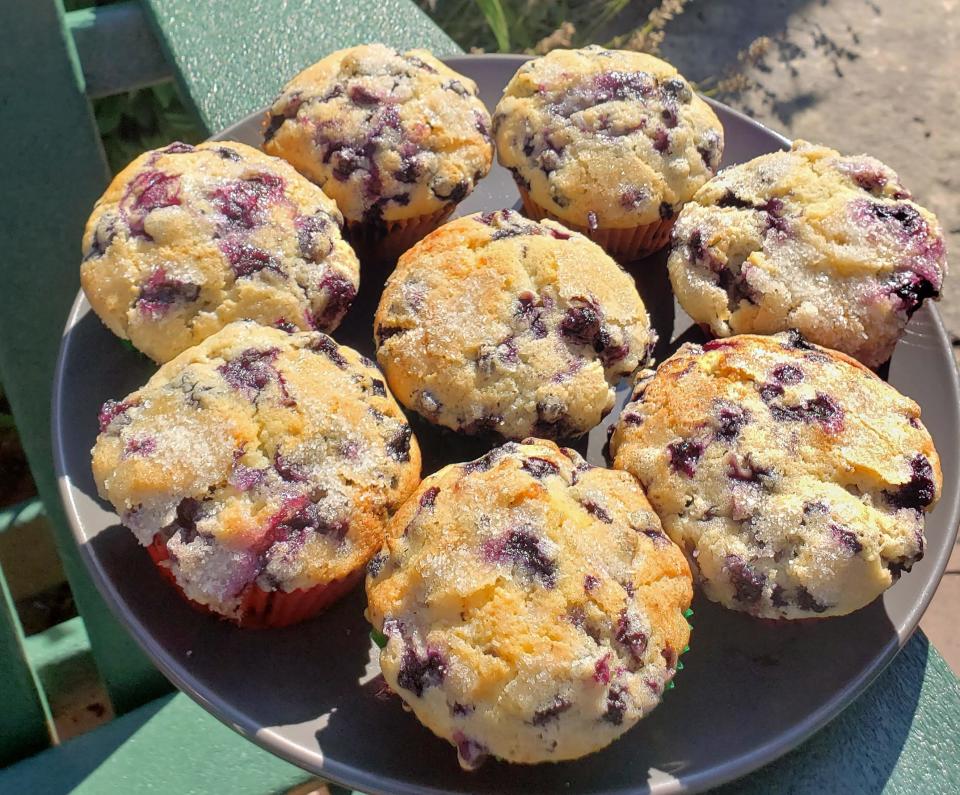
24	718
168	746
229	63
53	170
118	51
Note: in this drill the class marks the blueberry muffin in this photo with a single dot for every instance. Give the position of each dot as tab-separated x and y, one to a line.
187	239
610	143
812	240
397	139
494	323
261	468
794	479
530	606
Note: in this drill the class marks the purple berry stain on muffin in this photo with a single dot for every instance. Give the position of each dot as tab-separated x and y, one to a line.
178	148
251	371
313	236
747	582
529	309
846	538
806	601
684	456
557	707
471	753
730	421
745	469
340	293
659	539
243	203
539	467
313	518
288	471
429	498
911	290
160	292
601	670
244	478
521	546
616	705
398	448
374	567
918	492
822	409
787	374
322	344
631	636
417	673
142	446
595	509
110	411
246	260
149	191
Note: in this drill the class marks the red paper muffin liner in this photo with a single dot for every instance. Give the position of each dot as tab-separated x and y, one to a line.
625	245
261	609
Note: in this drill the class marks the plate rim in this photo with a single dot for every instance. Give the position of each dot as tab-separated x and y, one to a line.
350	776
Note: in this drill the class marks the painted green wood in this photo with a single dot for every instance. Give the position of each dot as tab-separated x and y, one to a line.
117	49
52	157
900	737
61	659
168	746
232	58
24	717
20	514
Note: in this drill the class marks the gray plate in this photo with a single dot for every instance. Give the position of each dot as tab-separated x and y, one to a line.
749	692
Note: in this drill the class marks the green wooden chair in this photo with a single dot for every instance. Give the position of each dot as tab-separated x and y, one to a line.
229	58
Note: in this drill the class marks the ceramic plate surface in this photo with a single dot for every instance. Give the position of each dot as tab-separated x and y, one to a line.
748	694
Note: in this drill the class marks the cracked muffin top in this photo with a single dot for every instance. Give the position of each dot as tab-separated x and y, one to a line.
606	138
809	239
388	135
531	605
794	479
495	323
187	239
261	458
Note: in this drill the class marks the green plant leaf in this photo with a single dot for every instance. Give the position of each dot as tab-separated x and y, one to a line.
108	112
497	20
164	94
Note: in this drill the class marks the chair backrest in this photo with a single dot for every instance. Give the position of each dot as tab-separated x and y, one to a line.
229	59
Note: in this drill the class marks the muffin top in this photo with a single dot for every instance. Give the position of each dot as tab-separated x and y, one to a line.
532	607
794	478
808	239
187	239
388	135
606	138
262	458
494	323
